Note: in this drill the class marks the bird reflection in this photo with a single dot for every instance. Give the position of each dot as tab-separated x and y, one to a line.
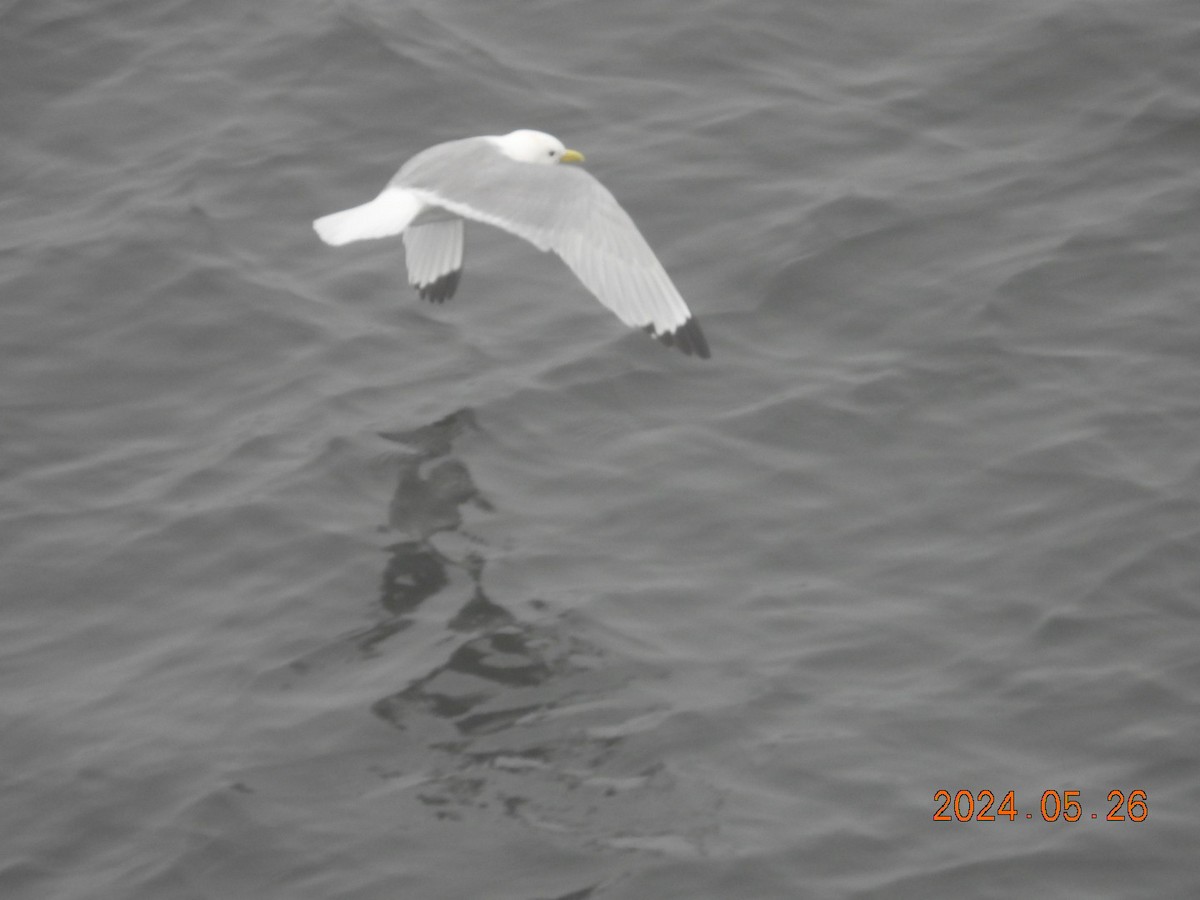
514	716
432	491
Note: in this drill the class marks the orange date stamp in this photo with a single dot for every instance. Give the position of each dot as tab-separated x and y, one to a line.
1056	805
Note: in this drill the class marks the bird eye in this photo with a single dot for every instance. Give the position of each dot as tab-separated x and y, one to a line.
549	152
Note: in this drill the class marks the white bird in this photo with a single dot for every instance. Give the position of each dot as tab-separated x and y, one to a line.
512	181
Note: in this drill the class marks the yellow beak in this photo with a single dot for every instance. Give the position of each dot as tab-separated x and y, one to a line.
571	156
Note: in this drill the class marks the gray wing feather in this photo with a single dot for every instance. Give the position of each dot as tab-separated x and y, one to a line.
554	207
434	252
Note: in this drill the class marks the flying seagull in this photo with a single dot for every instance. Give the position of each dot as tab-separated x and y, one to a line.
513	182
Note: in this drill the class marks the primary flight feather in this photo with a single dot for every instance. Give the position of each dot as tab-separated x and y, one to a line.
513	182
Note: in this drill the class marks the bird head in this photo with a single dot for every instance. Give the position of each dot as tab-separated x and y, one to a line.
536	147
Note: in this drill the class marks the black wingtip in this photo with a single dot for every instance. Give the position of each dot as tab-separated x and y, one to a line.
440	289
687	337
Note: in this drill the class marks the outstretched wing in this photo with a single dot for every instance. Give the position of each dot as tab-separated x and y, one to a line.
564	209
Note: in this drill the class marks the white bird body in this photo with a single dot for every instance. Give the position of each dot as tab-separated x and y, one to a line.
512	182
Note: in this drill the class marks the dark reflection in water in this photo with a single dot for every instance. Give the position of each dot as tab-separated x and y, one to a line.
520	719
432	488
412	576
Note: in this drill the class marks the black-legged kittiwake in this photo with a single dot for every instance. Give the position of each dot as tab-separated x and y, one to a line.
512	181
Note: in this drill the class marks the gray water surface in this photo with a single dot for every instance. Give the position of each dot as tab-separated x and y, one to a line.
313	590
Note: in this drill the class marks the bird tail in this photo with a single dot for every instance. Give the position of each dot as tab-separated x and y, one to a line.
389	213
